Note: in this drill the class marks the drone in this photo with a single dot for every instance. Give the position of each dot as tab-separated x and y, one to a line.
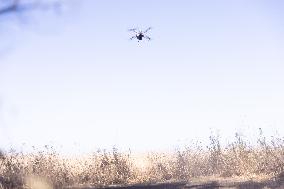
139	34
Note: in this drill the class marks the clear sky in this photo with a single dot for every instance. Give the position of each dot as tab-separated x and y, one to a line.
76	79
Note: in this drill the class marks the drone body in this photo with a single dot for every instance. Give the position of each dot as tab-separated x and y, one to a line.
139	34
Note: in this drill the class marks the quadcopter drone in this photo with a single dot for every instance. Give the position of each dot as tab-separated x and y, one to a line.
139	34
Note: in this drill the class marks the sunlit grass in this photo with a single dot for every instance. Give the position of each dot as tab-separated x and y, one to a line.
49	169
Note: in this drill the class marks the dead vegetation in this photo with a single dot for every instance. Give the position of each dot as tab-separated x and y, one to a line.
237	159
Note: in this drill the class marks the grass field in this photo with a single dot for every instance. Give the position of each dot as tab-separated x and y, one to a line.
238	161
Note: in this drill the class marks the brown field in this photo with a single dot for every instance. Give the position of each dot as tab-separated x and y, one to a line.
236	165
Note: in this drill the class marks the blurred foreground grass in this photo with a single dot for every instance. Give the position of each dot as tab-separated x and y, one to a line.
48	169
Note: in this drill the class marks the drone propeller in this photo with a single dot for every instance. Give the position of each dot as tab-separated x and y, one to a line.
133	29
147	37
147	30
132	37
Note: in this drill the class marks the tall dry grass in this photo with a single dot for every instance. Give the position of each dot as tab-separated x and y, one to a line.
238	158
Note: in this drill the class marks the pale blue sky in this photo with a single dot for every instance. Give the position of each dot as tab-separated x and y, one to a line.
77	79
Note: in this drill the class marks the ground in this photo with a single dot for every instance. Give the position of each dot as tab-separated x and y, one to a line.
205	183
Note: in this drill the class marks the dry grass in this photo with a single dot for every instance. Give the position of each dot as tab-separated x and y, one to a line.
48	169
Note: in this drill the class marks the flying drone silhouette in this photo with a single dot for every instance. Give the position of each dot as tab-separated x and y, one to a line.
139	34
